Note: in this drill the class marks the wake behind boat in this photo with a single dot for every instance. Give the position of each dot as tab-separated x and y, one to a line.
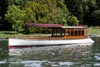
60	35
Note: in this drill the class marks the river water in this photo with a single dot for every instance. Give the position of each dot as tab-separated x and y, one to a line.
51	56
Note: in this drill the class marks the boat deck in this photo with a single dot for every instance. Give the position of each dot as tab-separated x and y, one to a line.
51	38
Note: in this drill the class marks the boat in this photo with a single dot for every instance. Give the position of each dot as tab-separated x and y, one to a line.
60	35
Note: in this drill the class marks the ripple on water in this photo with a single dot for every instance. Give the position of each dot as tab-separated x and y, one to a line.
54	56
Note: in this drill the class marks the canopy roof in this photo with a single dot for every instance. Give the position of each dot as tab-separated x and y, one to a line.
75	27
44	25
52	26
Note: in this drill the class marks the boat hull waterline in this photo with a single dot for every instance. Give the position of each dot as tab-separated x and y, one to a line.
18	42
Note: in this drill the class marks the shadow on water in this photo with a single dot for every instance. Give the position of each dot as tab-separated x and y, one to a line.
96	52
3	53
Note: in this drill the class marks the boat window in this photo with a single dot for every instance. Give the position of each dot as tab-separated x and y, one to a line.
72	33
58	32
76	33
79	32
82	32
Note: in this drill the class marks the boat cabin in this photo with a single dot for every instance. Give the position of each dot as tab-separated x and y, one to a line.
70	32
58	30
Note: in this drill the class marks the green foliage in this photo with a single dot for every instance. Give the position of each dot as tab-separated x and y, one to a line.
46	11
20	3
98	4
49	11
96	17
52	11
32	11
81	8
16	17
73	20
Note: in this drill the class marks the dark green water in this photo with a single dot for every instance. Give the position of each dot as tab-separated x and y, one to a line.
56	56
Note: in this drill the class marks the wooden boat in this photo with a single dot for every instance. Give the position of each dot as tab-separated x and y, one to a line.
60	35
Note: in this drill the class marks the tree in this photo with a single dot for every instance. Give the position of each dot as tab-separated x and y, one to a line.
20	3
49	11
95	17
16	17
81	8
73	21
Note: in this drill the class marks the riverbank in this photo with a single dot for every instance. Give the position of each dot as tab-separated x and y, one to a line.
5	36
94	32
94	35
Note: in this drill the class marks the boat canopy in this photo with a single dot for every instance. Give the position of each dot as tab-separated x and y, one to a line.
59	30
74	27
52	26
44	25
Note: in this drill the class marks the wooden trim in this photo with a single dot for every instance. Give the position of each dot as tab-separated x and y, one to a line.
75	37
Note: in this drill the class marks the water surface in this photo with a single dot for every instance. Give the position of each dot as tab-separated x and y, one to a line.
51	56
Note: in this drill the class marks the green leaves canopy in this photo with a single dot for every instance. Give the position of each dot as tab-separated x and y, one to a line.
49	11
95	15
81	8
16	17
36	11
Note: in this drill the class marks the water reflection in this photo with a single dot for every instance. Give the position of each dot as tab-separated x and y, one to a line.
96	53
52	56
3	53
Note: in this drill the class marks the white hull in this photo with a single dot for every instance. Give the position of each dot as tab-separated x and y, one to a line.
14	42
